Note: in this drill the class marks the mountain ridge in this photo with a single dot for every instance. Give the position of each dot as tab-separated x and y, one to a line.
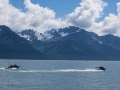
12	46
108	45
69	43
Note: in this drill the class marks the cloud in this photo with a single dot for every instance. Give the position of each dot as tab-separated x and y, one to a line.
110	25
118	5
9	14
89	11
35	17
41	18
86	14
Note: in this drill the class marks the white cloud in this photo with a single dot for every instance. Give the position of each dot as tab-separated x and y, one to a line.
89	11
9	14
35	17
41	18
118	5
110	25
85	15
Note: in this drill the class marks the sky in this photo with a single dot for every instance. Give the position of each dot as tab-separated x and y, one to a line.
99	16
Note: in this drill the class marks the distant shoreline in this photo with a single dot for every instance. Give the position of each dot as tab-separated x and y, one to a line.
57	60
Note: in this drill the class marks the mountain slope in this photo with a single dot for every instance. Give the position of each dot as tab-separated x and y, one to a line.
107	47
69	50
14	47
111	40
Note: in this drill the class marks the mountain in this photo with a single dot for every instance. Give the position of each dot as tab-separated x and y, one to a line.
111	40
69	50
50	35
32	35
12	46
75	43
71	33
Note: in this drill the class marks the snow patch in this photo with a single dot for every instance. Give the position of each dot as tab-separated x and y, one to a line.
63	34
38	35
25	36
97	40
46	36
79	30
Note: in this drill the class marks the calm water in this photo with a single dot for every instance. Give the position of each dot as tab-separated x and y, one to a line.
60	75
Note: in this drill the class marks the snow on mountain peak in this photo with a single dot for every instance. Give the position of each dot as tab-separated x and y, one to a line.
53	34
63	34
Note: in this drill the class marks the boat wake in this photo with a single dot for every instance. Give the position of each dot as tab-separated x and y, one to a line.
53	71
2	68
8	69
60	70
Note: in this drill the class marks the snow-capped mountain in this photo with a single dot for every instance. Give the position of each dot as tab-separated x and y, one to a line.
70	43
71	33
30	35
50	35
12	46
71	40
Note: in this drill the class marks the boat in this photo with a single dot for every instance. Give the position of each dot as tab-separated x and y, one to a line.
100	68
14	66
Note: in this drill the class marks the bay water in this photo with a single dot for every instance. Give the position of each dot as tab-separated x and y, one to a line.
59	75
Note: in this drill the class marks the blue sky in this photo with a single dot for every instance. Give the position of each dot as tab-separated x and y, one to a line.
63	7
99	16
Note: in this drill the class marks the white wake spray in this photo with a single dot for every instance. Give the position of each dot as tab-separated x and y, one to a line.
52	71
59	70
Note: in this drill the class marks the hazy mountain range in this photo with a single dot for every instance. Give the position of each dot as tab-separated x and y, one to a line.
70	43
